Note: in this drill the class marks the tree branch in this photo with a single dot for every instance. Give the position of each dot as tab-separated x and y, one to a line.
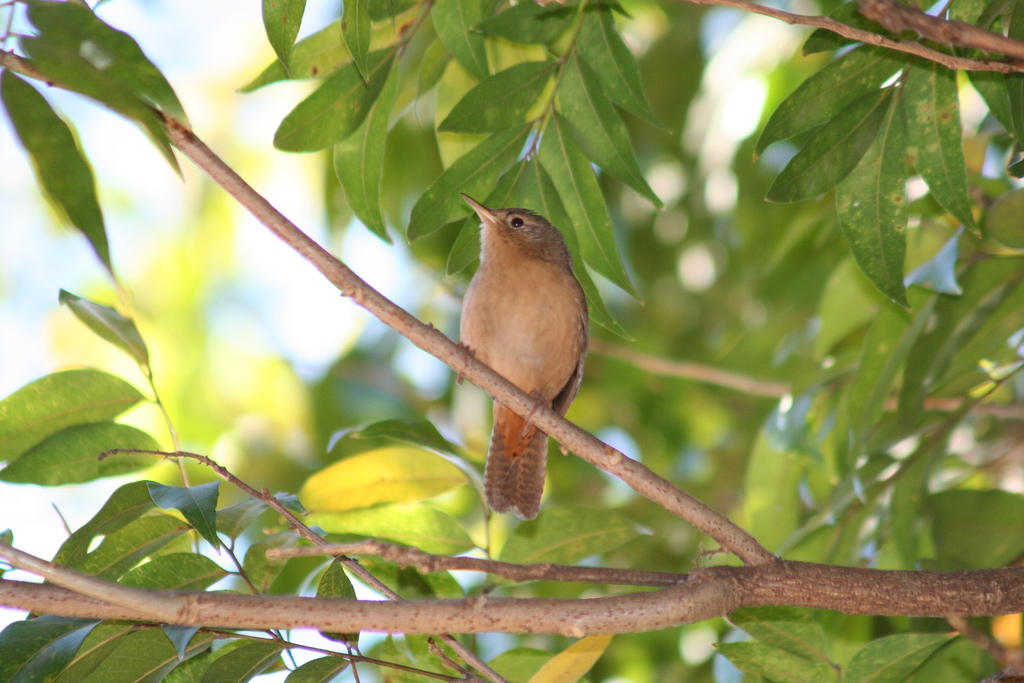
703	594
861	35
425	563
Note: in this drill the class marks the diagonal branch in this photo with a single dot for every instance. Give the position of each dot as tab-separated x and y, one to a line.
1015	48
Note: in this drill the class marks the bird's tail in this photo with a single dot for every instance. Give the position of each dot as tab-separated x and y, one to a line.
516	463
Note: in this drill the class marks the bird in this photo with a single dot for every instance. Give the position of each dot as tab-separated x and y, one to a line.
525	316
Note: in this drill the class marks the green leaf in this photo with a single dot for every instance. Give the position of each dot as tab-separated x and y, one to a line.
334	583
529	22
412	585
387	475
577	186
61	168
992	87
323	670
566	535
454	21
872	205
833	151
771	498
234	519
39	649
244	663
359	160
54	402
71	456
828	92
939	272
602	48
260	570
317	55
97	646
435	61
356	29
789	628
887	346
891	659
124	506
1002	223
466	248
74	48
146	656
413	524
417	432
121	550
760	661
109	325
499	101
473	173
520	664
977	529
197	504
538	194
335	109
281	20
598	128
934	137
175	572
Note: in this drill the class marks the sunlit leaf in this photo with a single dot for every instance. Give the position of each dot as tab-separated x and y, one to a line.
124	506
598	128
281	19
110	325
71	456
39	649
474	173
388	475
934	137
61	168
529	22
417	432
356	29
245	662
601	46
569	665
318	54
1002	222
123	549
566	535
833	152
499	101
828	92
322	670
432	66
414	524
336	108
872	205
455	22
54	402
760	661
577	186
359	160
175	572
197	504
977	529
892	658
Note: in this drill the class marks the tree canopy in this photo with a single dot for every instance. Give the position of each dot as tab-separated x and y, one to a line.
796	452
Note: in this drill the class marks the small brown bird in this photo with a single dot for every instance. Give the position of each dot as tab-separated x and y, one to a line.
524	315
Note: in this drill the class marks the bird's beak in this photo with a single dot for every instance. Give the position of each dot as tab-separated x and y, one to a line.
486	215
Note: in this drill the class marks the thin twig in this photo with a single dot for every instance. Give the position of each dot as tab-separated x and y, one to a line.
425	563
837	27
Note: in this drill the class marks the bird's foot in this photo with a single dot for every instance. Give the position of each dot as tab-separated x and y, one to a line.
468	353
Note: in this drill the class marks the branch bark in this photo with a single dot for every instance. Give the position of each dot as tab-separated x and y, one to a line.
701	595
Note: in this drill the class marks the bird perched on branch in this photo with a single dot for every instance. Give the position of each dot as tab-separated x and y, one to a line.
525	316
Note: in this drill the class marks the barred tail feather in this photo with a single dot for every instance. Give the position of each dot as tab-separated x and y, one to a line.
516	463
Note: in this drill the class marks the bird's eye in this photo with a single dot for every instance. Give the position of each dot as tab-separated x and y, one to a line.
517	222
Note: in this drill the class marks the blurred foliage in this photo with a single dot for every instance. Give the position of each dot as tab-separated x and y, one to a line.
878	303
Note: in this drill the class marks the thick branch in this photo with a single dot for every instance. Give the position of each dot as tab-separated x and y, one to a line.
907	46
704	594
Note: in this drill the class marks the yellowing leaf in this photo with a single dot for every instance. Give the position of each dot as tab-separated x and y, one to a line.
569	665
387	475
